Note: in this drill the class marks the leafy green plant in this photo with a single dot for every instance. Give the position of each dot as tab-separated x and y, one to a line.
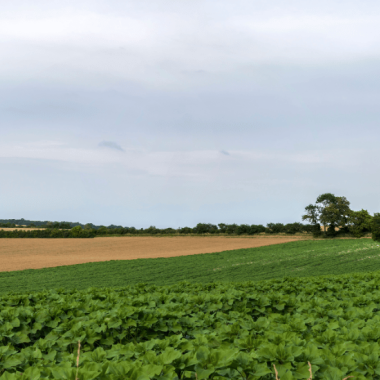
278	328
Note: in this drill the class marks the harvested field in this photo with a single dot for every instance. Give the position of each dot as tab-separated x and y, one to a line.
19	254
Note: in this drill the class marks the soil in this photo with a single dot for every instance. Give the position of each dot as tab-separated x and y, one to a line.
19	254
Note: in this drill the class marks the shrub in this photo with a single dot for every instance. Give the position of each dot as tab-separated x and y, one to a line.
376	227
275	228
360	223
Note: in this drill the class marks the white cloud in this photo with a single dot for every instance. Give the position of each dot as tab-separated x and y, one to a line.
202	164
158	46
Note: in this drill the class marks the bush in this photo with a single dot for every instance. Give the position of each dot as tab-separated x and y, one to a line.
275	228
232	229
293	228
185	230
243	229
360	223
257	229
376	227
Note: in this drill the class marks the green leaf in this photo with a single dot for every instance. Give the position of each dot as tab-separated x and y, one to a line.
260	369
15	322
202	354
151	370
11	361
168	356
87	375
63	373
302	371
31	373
98	355
9	376
204	373
332	373
20	337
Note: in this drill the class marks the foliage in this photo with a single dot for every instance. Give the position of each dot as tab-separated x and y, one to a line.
376	227
75	232
194	331
199	229
328	210
12	223
296	259
360	223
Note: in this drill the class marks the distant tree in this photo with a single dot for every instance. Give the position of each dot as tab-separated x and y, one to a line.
328	210
102	230
231	229
293	228
360	223
256	229
243	229
76	231
222	228
185	230
152	230
376	227
275	228
204	228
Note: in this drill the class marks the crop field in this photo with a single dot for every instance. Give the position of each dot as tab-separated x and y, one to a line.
326	325
296	310
294	259
18	254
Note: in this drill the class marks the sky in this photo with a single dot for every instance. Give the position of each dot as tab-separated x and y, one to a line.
172	113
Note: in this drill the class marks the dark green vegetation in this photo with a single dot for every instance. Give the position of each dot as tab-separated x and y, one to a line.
54	230
12	223
193	331
76	232
297	259
376	227
334	212
328	210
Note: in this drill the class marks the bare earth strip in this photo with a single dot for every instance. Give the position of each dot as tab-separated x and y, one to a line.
19	254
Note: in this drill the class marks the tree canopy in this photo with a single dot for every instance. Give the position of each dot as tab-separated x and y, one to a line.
328	210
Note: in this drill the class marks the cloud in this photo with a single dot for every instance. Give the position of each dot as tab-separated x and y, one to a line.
224	152
111	145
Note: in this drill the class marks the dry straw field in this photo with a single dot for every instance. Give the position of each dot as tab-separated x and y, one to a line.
19	254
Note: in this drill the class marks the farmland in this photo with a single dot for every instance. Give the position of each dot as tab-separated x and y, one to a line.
295	259
193	331
236	314
18	254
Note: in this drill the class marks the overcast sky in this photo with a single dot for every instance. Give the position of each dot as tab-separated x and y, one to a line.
171	113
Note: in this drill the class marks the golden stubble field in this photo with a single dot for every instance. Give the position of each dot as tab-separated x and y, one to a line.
19	254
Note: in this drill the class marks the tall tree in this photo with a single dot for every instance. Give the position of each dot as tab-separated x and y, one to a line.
360	223
328	210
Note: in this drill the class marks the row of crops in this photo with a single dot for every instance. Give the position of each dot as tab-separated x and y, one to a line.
192	331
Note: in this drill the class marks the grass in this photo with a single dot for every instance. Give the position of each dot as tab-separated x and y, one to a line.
296	259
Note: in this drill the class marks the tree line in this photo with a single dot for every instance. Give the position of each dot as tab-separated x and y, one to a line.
75	232
335	215
330	211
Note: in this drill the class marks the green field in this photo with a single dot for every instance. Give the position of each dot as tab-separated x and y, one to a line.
218	331
296	259
211	326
